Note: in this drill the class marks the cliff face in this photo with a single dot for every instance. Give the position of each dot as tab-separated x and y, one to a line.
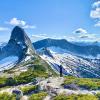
19	45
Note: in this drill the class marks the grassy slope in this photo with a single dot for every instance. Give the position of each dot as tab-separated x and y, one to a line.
84	83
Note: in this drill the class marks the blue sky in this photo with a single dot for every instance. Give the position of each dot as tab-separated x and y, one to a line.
76	20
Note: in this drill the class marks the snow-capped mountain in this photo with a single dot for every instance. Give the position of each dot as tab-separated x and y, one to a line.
80	61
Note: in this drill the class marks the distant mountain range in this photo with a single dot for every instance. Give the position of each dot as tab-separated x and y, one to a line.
86	43
87	50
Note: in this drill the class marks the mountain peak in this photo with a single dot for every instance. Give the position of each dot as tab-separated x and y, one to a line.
17	27
18	34
19	43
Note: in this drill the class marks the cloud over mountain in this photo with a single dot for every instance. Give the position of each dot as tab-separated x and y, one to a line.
15	21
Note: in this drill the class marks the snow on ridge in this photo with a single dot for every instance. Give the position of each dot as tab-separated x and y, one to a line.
54	49
8	62
70	62
58	50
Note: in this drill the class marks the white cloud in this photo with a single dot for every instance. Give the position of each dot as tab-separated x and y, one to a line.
97	24
80	30
96	4
88	36
22	23
81	34
15	21
4	29
95	12
41	36
37	37
29	26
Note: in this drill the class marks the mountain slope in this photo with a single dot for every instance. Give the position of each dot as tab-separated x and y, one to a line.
80	61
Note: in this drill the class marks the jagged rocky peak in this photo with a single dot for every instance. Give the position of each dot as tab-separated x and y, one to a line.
18	34
19	44
20	37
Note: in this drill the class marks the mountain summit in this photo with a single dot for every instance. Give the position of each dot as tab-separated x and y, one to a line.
18	34
19	45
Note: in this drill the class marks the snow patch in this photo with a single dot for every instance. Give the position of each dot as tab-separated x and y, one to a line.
27	58
54	49
8	62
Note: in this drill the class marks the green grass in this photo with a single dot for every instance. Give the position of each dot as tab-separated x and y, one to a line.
75	97
38	96
6	87
26	77
98	95
28	89
6	96
37	68
2	80
85	83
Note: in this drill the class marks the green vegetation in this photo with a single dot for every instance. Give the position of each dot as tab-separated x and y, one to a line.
28	89
40	63
75	97
38	96
2	81
6	87
84	83
98	95
36	68
26	77
6	96
10	81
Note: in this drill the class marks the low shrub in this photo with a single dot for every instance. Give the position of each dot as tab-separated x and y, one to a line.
98	96
84	83
75	97
38	96
28	89
6	96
